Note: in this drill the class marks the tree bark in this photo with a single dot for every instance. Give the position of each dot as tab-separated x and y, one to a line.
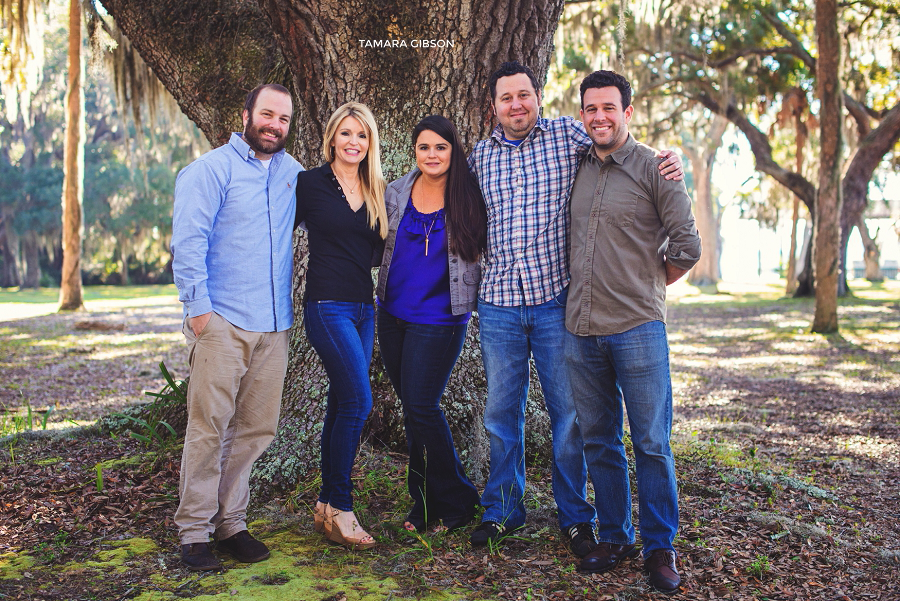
791	275
31	251
826	255
796	109
871	253
875	144
124	255
706	209
70	292
9	245
209	53
805	281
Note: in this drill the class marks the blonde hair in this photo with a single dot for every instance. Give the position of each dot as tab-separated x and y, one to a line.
370	173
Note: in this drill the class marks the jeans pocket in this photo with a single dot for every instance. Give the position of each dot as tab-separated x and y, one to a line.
562	298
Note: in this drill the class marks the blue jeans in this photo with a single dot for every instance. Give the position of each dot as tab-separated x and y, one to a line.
509	335
633	366
343	335
418	359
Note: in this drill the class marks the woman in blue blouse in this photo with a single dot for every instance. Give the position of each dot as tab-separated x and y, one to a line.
341	204
427	288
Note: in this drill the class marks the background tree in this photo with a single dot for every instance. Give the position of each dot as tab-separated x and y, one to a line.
828	201
129	169
761	49
71	296
315	50
21	26
606	35
794	114
705	141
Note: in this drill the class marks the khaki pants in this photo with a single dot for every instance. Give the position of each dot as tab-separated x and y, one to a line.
234	398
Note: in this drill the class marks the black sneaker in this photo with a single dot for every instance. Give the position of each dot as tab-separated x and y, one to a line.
197	557
490	532
581	539
243	547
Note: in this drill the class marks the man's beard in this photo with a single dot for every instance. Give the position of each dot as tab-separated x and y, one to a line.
253	137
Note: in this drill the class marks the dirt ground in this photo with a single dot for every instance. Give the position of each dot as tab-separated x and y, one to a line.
787	447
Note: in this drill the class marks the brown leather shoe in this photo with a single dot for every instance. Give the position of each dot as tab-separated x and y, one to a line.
197	557
243	547
605	557
660	567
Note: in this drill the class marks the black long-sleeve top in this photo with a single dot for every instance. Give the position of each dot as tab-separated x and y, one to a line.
341	243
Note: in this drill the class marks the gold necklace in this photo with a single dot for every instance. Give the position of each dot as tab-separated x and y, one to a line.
428	233
353	189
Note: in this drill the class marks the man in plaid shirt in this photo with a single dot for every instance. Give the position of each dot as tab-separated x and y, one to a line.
525	171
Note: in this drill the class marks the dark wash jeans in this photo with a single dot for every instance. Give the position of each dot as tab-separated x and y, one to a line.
343	334
419	359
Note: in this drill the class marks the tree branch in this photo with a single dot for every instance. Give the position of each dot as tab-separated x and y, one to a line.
860	113
733	58
869	153
762	150
798	49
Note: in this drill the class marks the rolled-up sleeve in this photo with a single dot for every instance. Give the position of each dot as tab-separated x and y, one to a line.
198	197
674	208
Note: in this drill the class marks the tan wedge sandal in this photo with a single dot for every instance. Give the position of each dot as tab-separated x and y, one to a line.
319	517
355	540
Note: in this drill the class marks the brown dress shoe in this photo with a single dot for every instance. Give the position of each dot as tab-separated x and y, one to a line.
660	567
197	557
605	557
243	547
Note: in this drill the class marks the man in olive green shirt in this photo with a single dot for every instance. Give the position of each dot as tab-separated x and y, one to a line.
632	234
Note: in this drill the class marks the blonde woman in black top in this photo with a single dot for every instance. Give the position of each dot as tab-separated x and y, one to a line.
342	206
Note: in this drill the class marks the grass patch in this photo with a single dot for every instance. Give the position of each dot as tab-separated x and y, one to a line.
91	293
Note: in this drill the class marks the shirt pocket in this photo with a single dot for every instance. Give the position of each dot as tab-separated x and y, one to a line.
619	211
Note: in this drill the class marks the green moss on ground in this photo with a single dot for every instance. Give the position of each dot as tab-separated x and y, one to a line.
114	559
12	565
291	573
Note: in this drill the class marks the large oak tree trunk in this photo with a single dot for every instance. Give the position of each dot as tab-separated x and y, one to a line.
209	53
70	292
826	255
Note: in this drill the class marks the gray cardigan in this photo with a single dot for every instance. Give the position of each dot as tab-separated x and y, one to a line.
464	276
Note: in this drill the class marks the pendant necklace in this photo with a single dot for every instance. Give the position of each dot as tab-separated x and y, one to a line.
353	189
428	233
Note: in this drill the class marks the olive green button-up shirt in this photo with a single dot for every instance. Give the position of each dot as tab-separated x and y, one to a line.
625	217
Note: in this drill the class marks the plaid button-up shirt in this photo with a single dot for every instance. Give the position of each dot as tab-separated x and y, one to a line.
526	189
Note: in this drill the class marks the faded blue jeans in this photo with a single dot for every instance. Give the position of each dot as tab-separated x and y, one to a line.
605	370
509	336
343	334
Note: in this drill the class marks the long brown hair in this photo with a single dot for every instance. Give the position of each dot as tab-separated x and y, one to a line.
464	207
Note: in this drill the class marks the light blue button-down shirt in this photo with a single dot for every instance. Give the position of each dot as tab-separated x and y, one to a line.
231	236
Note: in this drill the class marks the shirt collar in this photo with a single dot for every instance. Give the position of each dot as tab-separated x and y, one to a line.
542	124
243	149
619	155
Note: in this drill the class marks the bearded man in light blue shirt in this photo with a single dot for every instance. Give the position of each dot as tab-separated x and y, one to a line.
232	261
